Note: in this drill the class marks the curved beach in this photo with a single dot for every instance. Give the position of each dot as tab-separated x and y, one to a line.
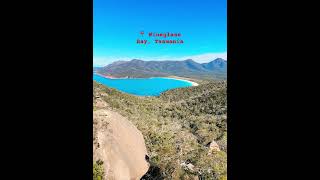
175	78
181	79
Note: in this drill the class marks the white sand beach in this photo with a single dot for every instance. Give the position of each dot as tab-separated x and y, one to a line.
181	79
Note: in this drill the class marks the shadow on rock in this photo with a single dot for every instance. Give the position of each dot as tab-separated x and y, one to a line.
154	173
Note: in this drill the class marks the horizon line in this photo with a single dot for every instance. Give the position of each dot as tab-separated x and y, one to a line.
159	60
199	58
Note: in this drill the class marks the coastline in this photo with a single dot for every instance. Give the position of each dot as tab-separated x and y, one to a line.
182	79
169	77
109	77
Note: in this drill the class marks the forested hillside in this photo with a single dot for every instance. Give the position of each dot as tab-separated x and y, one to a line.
185	129
216	69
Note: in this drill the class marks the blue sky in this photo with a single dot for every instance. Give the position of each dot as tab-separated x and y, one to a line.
117	25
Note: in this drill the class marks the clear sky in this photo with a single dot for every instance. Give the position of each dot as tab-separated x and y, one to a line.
117	25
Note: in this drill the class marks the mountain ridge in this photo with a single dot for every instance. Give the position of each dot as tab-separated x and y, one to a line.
136	68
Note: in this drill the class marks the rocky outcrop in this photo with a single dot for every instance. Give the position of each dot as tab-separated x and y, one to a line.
119	144
214	147
187	166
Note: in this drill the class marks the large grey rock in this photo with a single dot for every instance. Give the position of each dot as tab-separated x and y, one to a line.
120	145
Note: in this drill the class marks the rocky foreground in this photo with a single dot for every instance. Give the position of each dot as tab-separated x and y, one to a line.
118	144
184	134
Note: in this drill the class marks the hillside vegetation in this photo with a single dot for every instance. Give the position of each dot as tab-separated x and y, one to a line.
216	69
178	128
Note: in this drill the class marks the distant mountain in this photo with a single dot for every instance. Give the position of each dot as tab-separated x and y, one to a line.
218	64
216	69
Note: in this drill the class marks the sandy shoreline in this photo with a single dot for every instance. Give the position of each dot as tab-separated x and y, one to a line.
180	79
175	78
109	77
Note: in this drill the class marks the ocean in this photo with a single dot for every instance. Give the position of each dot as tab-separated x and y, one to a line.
142	86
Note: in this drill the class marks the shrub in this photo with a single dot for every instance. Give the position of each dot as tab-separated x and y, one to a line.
98	172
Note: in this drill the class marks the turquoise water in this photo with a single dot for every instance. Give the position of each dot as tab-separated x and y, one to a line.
142	87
